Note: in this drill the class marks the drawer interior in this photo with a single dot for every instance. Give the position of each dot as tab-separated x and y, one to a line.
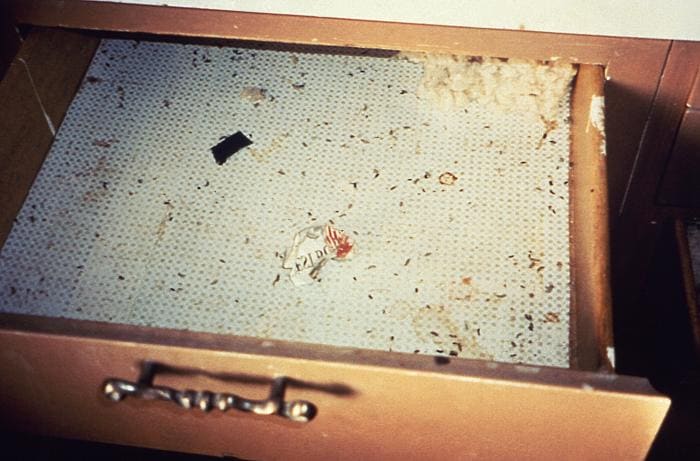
459	216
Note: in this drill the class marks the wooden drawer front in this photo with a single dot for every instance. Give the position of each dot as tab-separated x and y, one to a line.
51	384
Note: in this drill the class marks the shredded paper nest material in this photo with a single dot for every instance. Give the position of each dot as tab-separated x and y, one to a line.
519	85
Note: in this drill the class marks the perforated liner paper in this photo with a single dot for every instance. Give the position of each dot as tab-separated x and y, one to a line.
459	217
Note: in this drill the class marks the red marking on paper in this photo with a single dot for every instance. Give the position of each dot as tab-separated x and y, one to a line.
339	241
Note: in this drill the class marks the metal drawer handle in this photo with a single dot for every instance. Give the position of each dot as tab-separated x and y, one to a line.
295	410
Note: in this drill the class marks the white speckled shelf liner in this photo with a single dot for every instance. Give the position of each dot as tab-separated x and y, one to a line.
131	220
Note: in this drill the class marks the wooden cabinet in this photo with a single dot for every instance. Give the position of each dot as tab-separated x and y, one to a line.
694	97
656	185
680	182
370	404
679	186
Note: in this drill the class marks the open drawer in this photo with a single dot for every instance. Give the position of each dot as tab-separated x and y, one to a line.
471	320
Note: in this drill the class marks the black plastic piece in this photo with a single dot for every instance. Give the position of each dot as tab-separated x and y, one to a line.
229	146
